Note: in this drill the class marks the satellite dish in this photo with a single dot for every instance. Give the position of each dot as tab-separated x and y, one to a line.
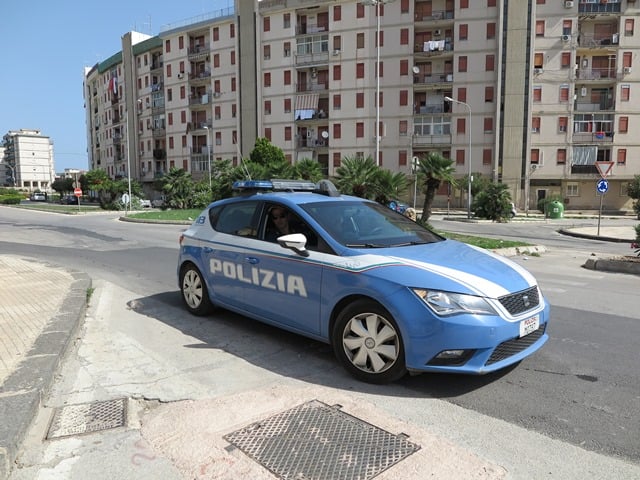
325	134
416	69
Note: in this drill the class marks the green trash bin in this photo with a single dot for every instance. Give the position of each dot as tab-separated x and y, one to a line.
555	209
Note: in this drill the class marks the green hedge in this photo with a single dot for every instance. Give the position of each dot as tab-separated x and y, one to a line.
10	199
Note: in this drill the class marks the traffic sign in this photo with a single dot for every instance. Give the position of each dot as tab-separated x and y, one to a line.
77	192
604	168
602	186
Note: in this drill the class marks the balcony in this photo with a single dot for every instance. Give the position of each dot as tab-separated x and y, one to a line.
311	87
607	73
600	137
200	78
312	143
199	100
586	40
310	28
602	7
197	52
433	48
434	16
314	58
197	125
432	79
158	132
159	153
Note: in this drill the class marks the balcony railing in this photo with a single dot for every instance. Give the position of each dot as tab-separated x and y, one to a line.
311	87
592	137
435	15
432	78
597	73
306	143
586	106
307	28
200	75
439	139
312	58
587	40
433	47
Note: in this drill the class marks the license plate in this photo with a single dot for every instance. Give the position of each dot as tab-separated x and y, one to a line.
529	325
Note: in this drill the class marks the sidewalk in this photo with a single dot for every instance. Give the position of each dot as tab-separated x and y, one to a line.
42	306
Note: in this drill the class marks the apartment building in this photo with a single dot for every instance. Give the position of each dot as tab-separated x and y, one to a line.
26	160
540	95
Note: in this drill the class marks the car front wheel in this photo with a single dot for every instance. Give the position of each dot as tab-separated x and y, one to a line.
367	342
194	290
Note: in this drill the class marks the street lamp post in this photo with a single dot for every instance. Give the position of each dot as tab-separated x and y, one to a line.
377	129
206	127
453	100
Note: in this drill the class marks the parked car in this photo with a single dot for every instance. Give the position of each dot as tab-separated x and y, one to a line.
69	200
398	206
388	294
145	203
39	197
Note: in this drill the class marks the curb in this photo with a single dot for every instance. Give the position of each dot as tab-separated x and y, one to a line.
612	265
594	237
23	391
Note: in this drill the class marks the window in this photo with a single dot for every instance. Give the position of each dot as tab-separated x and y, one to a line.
286	20
462	63
266	24
625	93
267	133
404	36
535	156
337	13
535	124
359	129
573	190
216	60
180	42
287	105
403	128
404	6
287	77
463	31
360	10
537	94
462	94
487	156
488	125
337	72
464	3
336	159
232	57
183	92
360	40
404	97
267	107
360	100
621	158
337	130
168	70
167	46
561	156
337	102
266	54
562	124
628	27
461	126
267	79
404	67
565	60
539	28
567	27
337	42
491	31
359	70
488	94
216	34
459	157
287	133
489	63
626	59
402	158
232	30
623	124
538	60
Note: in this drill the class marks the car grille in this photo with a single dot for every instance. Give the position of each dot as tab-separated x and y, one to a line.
511	347
519	302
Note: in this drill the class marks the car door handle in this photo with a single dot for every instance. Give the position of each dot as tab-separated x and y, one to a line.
252	260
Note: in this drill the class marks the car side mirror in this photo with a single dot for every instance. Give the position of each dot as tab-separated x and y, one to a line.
296	242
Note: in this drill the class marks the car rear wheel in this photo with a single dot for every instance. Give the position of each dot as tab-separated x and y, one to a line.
367	342
194	290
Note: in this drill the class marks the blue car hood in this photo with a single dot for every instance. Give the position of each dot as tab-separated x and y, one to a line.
449	265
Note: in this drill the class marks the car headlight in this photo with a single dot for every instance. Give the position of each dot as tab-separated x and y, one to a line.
447	303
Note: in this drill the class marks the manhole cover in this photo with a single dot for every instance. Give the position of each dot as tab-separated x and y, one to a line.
317	441
87	418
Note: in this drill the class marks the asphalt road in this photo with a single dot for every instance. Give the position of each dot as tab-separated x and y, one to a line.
583	387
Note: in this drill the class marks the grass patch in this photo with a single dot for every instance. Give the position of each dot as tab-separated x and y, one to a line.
187	215
482	242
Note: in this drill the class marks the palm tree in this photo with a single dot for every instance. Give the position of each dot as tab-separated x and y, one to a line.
308	169
389	185
178	187
357	176
433	169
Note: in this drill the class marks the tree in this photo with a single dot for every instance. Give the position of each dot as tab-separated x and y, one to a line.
308	169
633	190
63	185
109	190
178	188
493	203
433	169
268	161
357	176
389	185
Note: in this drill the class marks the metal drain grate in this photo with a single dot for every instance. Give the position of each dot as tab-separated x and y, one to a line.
315	441
87	418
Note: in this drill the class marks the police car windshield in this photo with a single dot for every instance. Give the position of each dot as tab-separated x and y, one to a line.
368	225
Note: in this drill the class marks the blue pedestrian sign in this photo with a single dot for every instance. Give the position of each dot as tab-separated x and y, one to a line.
602	186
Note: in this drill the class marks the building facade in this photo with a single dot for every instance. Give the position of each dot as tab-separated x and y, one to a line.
27	161
536	94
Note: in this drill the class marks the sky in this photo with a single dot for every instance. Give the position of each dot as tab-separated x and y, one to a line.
47	44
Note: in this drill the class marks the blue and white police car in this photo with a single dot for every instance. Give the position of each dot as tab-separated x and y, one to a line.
389	295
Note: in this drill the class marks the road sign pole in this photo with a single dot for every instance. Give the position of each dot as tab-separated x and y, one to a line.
600	213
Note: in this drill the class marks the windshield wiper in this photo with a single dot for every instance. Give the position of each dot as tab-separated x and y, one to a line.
365	245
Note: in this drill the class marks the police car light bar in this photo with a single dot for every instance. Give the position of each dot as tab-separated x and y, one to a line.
276	184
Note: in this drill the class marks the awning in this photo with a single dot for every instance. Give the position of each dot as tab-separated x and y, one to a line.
307	102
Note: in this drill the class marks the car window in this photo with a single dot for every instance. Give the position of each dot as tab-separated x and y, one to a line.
368	224
235	219
277	218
